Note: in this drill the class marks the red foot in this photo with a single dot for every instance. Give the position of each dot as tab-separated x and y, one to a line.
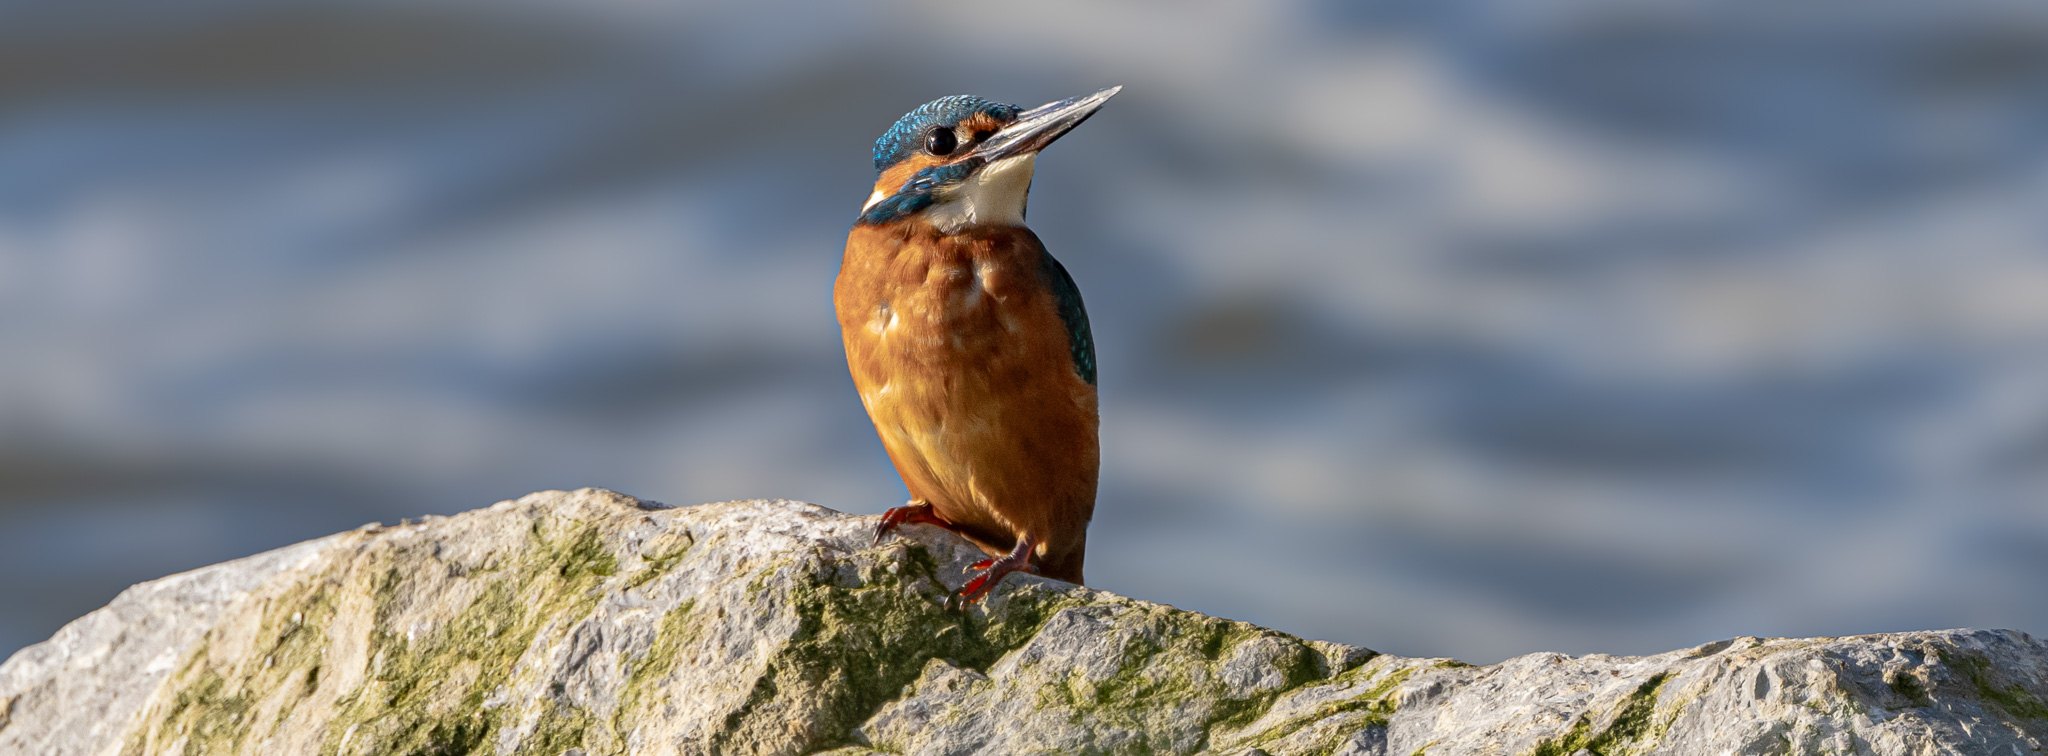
1018	560
914	511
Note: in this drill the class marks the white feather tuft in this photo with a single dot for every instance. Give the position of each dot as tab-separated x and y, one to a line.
995	196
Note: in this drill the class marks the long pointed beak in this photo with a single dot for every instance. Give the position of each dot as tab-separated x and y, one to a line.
1039	126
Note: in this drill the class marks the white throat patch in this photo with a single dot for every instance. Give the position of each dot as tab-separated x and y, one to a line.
994	197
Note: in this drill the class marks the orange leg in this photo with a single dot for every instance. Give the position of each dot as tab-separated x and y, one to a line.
913	511
1018	560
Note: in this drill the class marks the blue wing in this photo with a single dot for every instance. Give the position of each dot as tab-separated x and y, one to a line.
1073	314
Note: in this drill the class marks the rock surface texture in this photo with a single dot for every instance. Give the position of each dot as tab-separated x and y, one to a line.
592	623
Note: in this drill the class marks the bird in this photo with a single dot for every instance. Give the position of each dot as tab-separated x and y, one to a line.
968	342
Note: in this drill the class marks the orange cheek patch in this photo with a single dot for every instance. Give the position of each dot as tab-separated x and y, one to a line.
894	178
981	123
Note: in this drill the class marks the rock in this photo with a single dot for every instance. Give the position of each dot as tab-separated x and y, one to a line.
593	623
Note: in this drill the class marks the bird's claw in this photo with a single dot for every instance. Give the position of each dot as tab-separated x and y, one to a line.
916	510
994	568
972	590
984	583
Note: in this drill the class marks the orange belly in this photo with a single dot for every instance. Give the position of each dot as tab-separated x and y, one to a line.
957	348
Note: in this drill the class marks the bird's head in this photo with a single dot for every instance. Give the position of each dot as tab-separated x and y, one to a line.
964	161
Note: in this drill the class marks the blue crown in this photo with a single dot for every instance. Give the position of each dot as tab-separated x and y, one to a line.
904	137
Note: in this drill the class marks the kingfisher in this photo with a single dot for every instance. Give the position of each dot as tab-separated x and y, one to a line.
968	342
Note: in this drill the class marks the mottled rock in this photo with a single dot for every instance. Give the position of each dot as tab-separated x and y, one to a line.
593	623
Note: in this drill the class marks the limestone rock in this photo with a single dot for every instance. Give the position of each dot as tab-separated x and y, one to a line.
592	623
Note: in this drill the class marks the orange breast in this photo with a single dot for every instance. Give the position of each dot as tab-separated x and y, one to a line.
957	348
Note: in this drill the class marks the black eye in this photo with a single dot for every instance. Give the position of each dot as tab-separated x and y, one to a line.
940	141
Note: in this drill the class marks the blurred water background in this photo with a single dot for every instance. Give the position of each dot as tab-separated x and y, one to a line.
1446	328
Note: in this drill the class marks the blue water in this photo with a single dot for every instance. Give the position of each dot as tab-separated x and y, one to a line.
1445	328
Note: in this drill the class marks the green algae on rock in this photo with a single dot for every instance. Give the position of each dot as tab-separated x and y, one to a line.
591	623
